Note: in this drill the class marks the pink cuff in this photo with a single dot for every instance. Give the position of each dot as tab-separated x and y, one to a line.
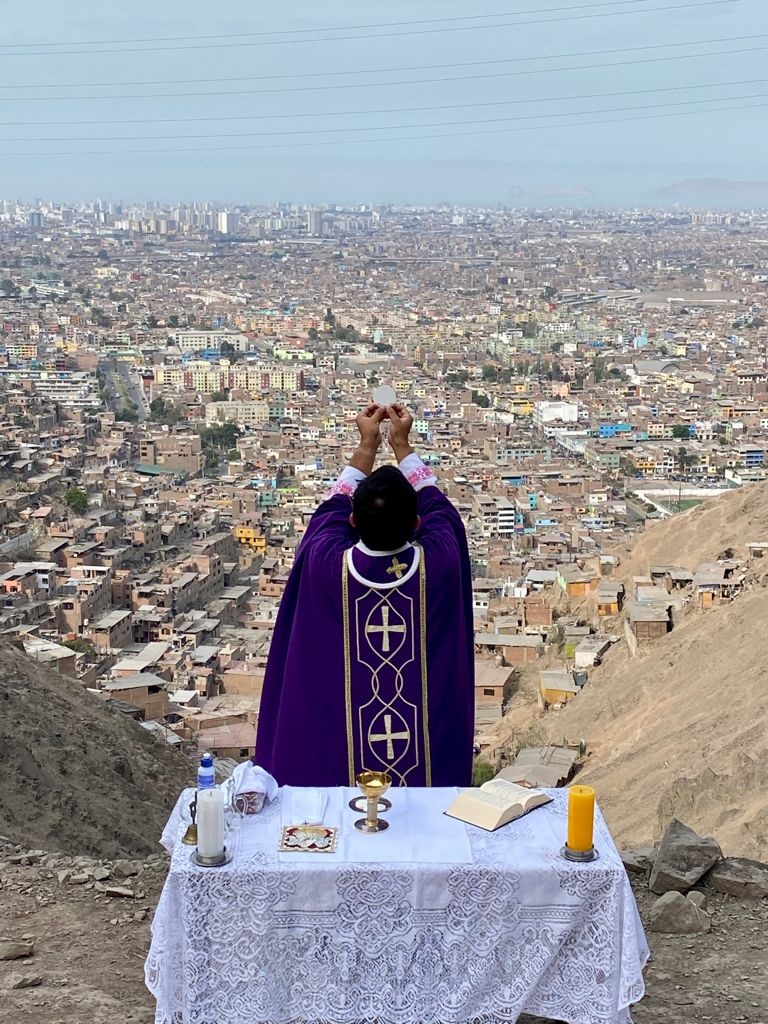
341	487
420	475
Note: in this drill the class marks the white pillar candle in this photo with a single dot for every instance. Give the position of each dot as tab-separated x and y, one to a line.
210	822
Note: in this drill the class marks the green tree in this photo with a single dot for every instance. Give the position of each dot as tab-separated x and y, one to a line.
530	329
684	460
127	415
173	320
220	396
480	399
8	288
313	334
79	645
457	376
76	499
681	431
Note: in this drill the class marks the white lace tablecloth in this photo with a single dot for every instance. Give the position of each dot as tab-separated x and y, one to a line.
519	929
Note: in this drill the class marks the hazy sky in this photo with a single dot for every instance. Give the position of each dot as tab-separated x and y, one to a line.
504	151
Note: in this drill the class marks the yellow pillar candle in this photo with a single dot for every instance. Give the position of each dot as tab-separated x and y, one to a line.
581	818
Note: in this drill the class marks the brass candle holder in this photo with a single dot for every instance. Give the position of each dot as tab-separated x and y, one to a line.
190	836
373	785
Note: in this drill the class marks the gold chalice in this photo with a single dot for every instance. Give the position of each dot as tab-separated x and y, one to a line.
373	786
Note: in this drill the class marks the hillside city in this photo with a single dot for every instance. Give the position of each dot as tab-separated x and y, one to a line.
179	386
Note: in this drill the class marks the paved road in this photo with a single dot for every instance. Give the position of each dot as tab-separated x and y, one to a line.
122	379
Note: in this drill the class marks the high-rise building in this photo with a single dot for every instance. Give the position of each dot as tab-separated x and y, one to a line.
227	223
314	223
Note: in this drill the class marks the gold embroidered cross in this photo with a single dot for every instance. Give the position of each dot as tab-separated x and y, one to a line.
397	568
385	629
387	736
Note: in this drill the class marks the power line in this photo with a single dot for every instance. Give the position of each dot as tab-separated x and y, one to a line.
388	110
382	71
381	35
331	28
394	138
377	85
392	127
396	127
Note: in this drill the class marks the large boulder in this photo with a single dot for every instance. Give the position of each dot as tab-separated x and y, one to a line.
678	915
738	876
683	858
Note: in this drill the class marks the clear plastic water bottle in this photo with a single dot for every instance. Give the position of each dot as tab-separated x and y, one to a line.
206	775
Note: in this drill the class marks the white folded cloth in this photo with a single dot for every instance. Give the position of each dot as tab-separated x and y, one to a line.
307	807
250	778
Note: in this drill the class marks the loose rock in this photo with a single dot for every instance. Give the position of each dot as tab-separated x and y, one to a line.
677	915
116	890
682	859
738	876
15	950
25	981
640	860
125	869
699	898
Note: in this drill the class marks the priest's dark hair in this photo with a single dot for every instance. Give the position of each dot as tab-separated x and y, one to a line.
385	510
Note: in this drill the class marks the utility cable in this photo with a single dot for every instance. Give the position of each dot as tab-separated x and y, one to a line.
382	35
329	28
377	85
381	71
386	110
392	138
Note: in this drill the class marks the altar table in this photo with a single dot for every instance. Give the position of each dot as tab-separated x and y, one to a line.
484	929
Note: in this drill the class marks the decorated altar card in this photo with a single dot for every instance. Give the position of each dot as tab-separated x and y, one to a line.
308	839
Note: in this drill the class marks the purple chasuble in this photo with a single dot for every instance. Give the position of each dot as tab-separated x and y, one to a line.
372	664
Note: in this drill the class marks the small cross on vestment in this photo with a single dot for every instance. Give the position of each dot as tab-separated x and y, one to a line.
387	736
398	568
385	629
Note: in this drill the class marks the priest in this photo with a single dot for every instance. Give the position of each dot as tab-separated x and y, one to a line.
372	660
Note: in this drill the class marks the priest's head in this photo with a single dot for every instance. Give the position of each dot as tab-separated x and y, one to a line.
384	510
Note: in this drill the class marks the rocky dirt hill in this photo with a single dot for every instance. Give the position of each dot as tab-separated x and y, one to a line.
77	777
681	729
700	534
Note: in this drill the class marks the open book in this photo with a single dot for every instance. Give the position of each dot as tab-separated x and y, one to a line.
496	803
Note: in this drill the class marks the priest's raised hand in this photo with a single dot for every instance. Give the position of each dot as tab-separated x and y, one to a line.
371	663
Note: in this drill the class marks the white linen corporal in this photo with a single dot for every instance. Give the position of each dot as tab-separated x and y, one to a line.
285	938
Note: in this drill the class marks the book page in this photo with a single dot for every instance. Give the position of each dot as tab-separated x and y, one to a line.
523	796
510	791
478	808
489	798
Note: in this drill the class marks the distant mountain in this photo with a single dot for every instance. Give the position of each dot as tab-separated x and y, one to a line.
546	190
715	189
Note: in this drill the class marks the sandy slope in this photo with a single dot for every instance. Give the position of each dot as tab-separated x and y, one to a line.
76	776
702	533
682	728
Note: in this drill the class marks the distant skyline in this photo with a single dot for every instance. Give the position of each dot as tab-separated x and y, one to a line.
341	131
